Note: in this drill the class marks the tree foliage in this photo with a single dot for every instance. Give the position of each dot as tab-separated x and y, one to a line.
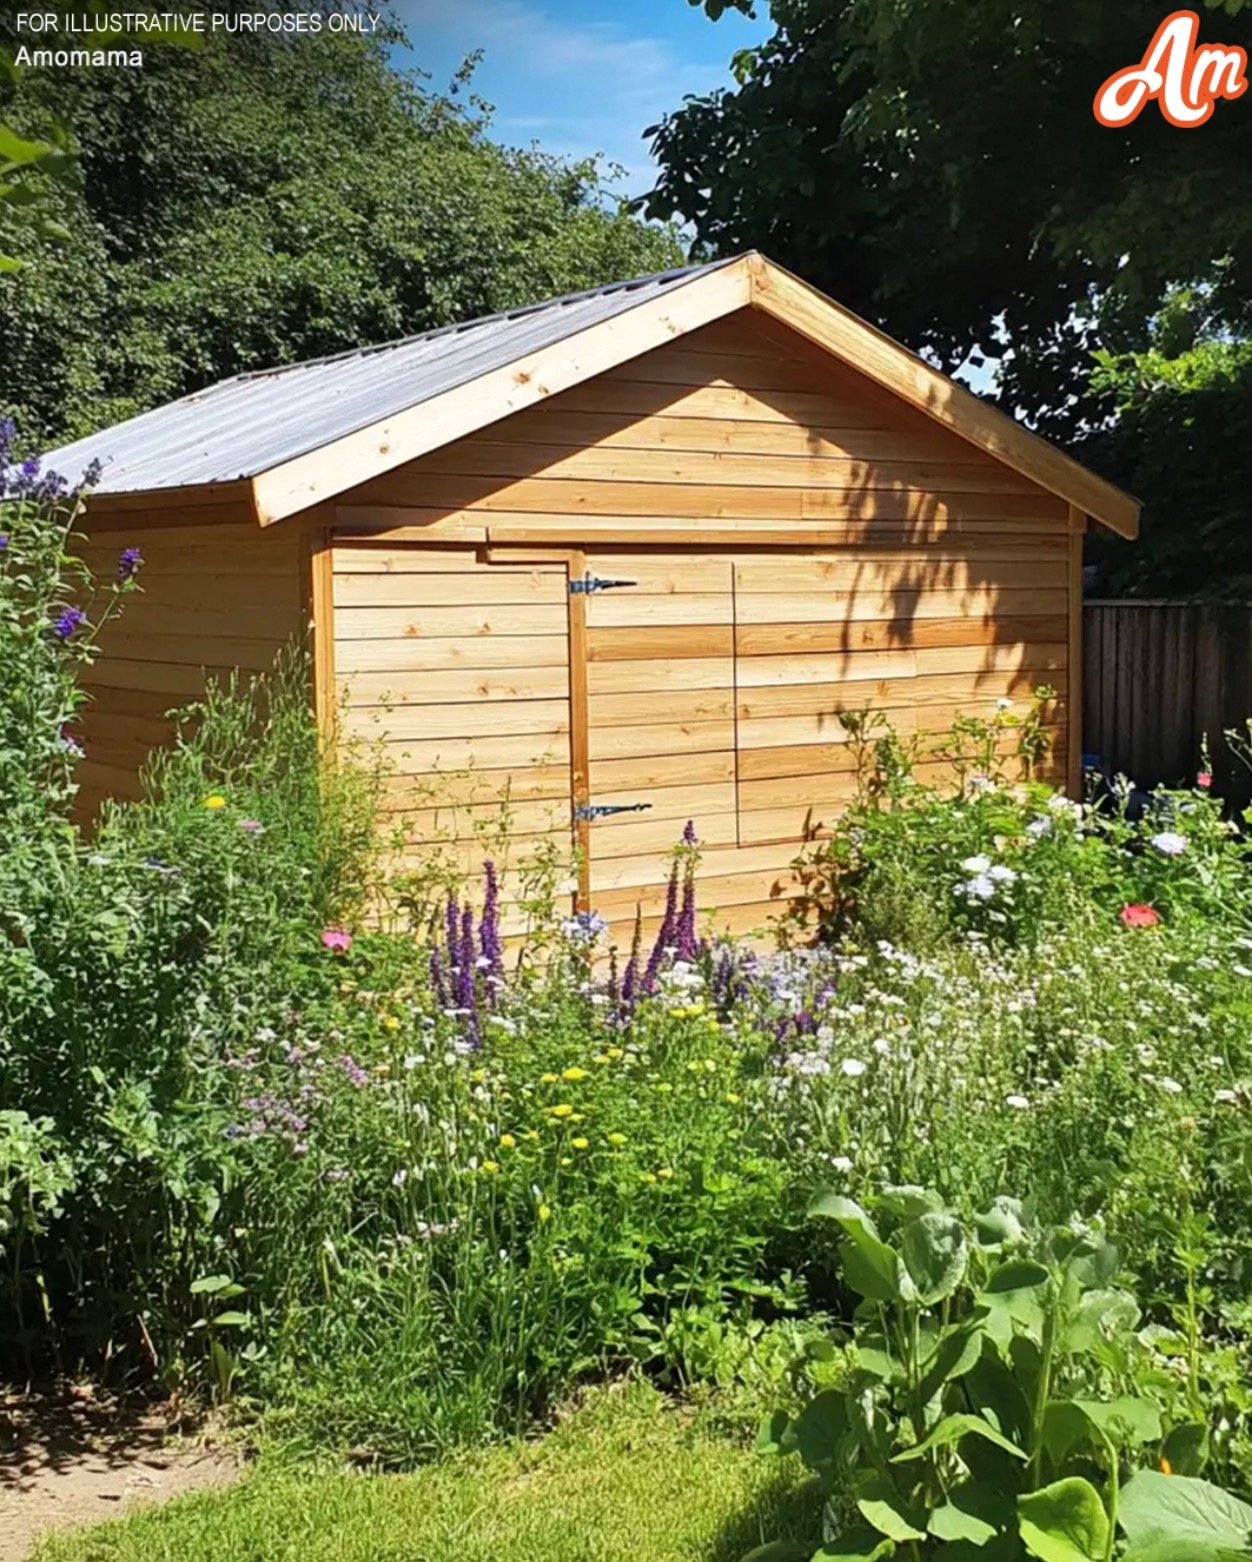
269	199
935	164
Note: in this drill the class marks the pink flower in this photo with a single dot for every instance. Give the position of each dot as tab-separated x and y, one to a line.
337	939
252	827
1139	916
1204	778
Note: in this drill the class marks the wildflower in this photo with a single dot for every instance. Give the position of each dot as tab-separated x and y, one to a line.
665	1173
1139	915
1204	779
1166	1468
573	1074
507	1142
1226	1097
649	1176
563	1110
841	1163
1018	1103
1004	703
213	802
547	1079
4	541
584	928
617	1140
252	827
979	888
491	1167
852	1067
733	1099
1170	1086
580	1143
544	1212
70	745
390	1022
1038	827
613	1052
334	938
67	622
399	1178
1000	873
1169	843
128	565
565	1160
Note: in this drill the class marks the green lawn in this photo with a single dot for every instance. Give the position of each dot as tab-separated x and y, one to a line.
627	1478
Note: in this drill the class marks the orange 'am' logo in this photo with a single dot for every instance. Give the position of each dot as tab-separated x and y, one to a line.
1184	80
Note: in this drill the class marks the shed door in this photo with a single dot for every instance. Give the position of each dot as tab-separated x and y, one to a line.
661	727
460	671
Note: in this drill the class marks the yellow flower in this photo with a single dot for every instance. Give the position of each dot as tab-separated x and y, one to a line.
665	1087
573	1074
580	1143
531	1133
215	800
733	1098
544	1212
617	1139
565	1161
383	1069
665	1173
478	1076
548	1079
491	1167
577	1117
614	1053
507	1141
390	1022
710	1067
601	1058
564	1110
649	1176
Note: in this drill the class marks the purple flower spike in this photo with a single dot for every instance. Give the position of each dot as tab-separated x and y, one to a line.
688	944
665	933
630	979
68	622
128	565
689	833
489	927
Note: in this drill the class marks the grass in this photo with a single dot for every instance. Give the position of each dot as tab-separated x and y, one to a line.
628	1477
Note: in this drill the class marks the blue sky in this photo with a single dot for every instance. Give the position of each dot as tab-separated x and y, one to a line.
580	76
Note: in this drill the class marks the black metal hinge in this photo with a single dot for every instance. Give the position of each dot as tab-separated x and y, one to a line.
589	584
586	811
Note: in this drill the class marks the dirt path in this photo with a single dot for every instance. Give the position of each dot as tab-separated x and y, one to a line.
68	1459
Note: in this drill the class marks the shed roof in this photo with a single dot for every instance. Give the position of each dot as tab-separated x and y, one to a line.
303	432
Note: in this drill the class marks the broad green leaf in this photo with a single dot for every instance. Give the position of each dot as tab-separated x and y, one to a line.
1186	1448
972	1512
231	1320
1013	1296
820	1427
1125	1420
17	151
883	1508
951	1430
856	1545
906	1200
1155	1506
958	1349
210	1285
1064	1522
1099	1314
1003	1222
935	1254
1183	1551
995	1391
1066	1426
771	1432
870	1266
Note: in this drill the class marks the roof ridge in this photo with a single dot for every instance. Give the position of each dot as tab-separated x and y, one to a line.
604	290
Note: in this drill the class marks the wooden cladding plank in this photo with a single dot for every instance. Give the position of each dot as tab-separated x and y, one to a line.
611	709
659	832
618	741
476	788
644	773
545	718
629	607
669	641
883	635
443	588
634	873
475	654
985	686
465	684
713	893
447	821
722	402
483	458
969	568
705	502
900	606
442	623
354	555
842	435
763	671
491	751
660	677
825	727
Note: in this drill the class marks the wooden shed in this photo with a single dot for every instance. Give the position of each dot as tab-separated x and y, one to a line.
621	557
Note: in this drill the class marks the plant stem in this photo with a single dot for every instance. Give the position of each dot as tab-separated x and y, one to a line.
1043	1389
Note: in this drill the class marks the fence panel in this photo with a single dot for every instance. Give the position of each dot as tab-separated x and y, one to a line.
1158	676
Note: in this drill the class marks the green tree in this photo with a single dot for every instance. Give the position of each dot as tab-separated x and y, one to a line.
269	199
936	165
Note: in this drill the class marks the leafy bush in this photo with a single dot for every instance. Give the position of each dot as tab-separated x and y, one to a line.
994	1392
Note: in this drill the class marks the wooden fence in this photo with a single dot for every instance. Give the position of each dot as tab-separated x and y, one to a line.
1157	676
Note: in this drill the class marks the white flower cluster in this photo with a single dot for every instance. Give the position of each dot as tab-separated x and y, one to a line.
985	878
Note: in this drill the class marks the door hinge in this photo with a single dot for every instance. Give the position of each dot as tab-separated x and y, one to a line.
587	811
589	584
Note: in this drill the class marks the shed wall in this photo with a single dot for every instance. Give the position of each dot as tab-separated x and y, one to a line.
217	594
800	543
